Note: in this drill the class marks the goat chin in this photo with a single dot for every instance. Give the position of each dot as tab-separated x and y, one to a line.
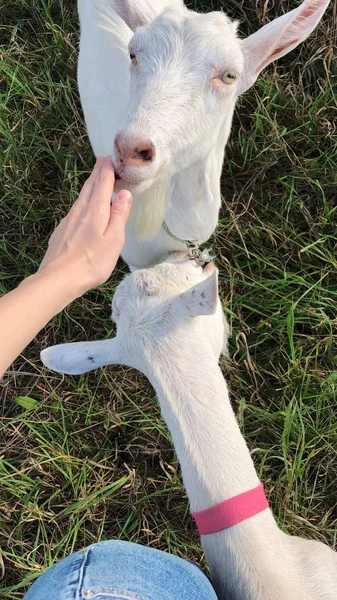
148	212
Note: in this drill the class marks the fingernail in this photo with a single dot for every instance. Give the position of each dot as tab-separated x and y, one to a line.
124	196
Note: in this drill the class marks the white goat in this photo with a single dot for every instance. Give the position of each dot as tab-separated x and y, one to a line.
165	115
170	326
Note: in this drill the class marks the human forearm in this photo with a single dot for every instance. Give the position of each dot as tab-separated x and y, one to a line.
28	308
82	253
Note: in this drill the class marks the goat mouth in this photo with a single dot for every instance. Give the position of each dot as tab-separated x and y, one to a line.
134	182
117	175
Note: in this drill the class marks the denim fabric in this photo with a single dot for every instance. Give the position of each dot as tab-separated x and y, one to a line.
122	571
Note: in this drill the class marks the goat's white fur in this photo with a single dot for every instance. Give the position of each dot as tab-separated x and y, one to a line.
171	97
170	326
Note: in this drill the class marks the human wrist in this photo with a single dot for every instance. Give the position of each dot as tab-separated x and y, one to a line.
63	282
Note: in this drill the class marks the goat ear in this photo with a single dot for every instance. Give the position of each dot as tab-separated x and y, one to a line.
278	38
136	13
202	299
144	282
81	357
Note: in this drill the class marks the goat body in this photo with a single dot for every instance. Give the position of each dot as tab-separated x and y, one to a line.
171	327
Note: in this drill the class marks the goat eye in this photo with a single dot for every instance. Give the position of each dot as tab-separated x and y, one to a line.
133	58
229	77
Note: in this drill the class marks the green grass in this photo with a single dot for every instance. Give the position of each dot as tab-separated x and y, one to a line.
92	459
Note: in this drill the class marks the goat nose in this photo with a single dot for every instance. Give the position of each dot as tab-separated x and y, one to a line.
135	153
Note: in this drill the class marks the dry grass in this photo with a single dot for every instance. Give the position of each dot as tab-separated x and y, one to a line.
91	459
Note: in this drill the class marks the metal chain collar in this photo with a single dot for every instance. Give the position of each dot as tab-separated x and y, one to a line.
202	257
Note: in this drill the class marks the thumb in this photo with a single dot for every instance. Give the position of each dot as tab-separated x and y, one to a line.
119	212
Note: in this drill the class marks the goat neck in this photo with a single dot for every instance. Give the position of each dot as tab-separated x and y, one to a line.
253	560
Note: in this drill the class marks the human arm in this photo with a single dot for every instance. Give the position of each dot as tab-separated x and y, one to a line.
82	253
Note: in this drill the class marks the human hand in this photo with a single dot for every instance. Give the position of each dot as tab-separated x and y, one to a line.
83	251
87	243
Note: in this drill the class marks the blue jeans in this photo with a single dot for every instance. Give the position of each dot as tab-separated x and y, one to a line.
118	570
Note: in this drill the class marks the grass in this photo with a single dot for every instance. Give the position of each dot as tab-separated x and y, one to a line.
89	458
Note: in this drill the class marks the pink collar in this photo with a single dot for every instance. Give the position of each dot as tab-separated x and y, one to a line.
232	511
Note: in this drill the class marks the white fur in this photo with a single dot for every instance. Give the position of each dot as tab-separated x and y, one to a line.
172	99
170	326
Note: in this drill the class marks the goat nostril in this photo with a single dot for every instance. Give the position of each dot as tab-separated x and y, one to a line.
134	154
145	155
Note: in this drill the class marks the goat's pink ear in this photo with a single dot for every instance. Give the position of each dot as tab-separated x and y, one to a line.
81	357
201	299
136	13
144	282
278	38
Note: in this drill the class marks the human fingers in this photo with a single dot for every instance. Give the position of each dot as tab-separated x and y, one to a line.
88	186
100	201
119	214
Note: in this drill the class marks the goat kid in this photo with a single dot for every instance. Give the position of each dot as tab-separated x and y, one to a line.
170	326
158	85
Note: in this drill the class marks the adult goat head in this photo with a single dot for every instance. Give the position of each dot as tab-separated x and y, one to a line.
159	92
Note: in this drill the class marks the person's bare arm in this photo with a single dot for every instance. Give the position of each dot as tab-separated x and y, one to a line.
82	253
